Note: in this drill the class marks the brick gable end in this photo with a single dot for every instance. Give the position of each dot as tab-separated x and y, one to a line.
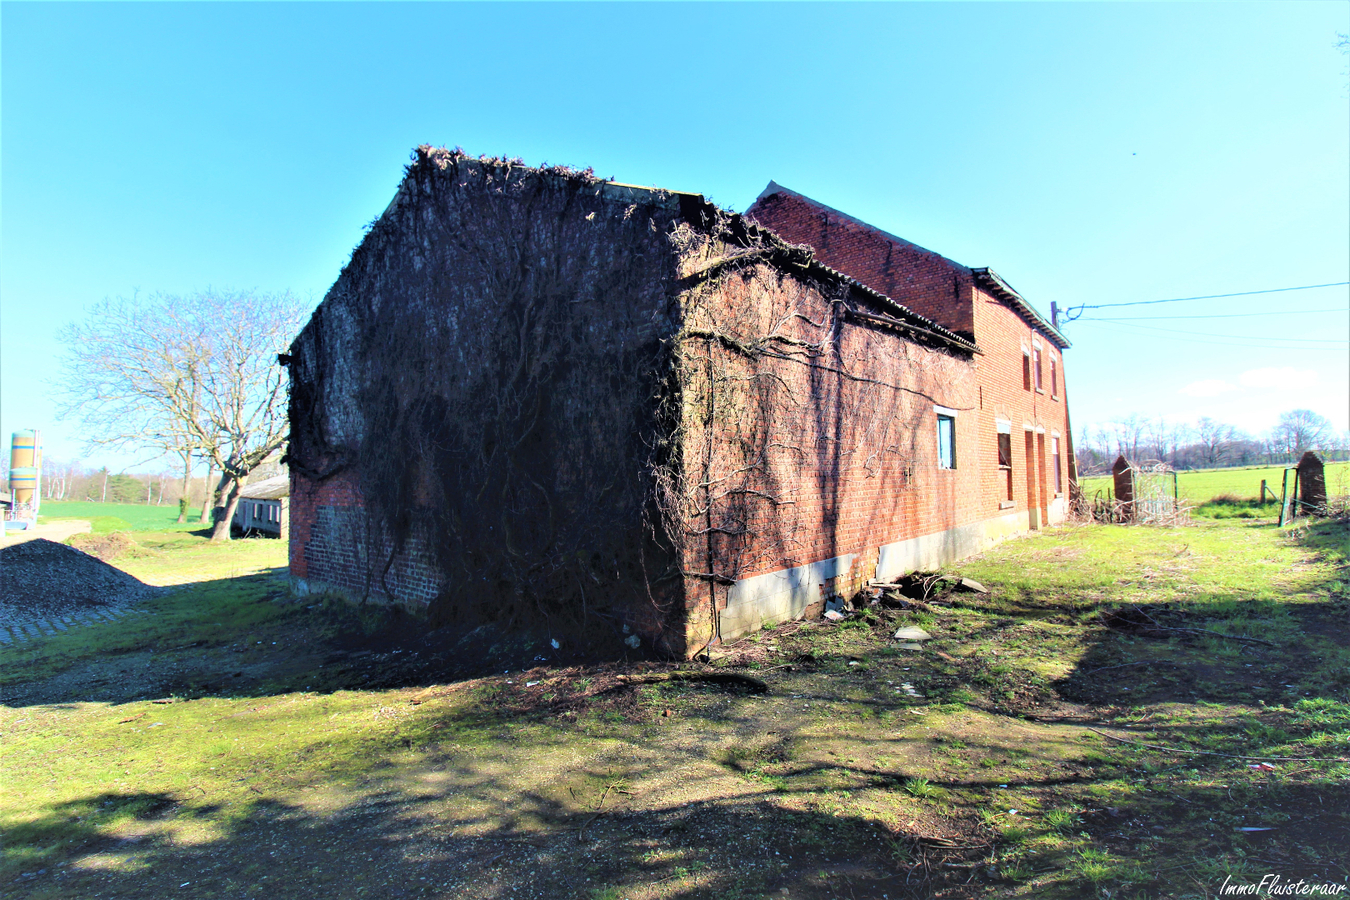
926	282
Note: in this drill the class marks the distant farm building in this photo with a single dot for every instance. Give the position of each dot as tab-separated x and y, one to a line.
264	507
620	413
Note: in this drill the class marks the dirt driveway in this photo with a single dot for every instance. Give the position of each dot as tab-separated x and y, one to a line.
58	531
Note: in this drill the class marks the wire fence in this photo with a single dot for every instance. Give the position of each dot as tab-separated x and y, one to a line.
1144	494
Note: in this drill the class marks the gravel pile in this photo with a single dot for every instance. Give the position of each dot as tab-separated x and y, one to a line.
41	577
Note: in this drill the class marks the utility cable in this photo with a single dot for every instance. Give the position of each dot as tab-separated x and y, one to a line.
1074	312
1240	336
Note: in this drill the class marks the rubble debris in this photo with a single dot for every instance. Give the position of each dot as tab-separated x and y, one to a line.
837	604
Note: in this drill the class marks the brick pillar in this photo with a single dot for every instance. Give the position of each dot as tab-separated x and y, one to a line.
1124	479
1312	484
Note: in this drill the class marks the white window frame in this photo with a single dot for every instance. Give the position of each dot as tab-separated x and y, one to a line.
946	414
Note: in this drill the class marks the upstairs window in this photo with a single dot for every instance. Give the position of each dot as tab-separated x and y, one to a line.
1036	351
1026	370
1054	379
946	438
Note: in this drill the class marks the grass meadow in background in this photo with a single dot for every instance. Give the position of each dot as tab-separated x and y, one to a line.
107	518
1203	485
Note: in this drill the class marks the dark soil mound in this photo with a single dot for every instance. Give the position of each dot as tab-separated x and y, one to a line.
106	547
46	578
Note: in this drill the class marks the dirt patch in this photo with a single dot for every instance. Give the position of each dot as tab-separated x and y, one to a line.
106	547
41	577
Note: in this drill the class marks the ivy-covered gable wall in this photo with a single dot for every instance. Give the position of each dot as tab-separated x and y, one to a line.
476	405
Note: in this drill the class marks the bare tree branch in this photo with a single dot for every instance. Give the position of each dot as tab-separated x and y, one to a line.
184	376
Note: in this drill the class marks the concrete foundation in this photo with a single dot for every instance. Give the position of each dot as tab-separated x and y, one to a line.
768	599
762	600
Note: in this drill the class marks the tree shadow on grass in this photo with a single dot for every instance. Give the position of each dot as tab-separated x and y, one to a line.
1191	687
248	636
393	844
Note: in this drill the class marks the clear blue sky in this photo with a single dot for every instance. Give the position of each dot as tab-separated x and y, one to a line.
1090	153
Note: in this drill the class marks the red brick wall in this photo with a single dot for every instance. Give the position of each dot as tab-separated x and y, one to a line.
1002	334
945	292
334	545
306	498
930	285
825	445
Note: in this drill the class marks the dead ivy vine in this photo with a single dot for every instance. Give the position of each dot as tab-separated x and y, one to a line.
570	407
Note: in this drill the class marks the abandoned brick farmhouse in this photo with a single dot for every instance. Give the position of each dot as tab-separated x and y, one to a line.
606	412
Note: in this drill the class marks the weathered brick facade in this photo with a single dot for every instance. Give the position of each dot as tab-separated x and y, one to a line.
553	401
1015	345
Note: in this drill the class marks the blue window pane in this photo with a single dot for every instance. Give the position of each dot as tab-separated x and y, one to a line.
946	442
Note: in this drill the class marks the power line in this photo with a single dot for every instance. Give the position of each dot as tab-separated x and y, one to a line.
1287	312
1073	313
1306	287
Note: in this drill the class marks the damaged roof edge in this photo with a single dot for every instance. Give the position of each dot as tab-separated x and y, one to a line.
904	314
992	282
907	315
688	201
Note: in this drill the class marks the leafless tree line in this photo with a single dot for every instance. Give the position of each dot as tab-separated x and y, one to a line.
1207	442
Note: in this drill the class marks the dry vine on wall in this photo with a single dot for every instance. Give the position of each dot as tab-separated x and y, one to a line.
506	330
572	413
798	424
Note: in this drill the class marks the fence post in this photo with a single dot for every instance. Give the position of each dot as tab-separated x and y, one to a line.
1288	508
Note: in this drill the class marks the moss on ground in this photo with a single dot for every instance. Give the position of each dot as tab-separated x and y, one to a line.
1046	742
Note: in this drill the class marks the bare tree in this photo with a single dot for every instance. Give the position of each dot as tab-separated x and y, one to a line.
1129	435
1301	430
1177	437
123	363
1158	431
242	414
1213	437
191	377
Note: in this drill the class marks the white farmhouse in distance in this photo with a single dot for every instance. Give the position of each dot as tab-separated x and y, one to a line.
265	507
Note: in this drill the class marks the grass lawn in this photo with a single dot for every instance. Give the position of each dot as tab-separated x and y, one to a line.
1104	723
1244	483
109	517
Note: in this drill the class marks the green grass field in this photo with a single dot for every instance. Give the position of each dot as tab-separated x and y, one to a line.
1244	483
1128	712
109	517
